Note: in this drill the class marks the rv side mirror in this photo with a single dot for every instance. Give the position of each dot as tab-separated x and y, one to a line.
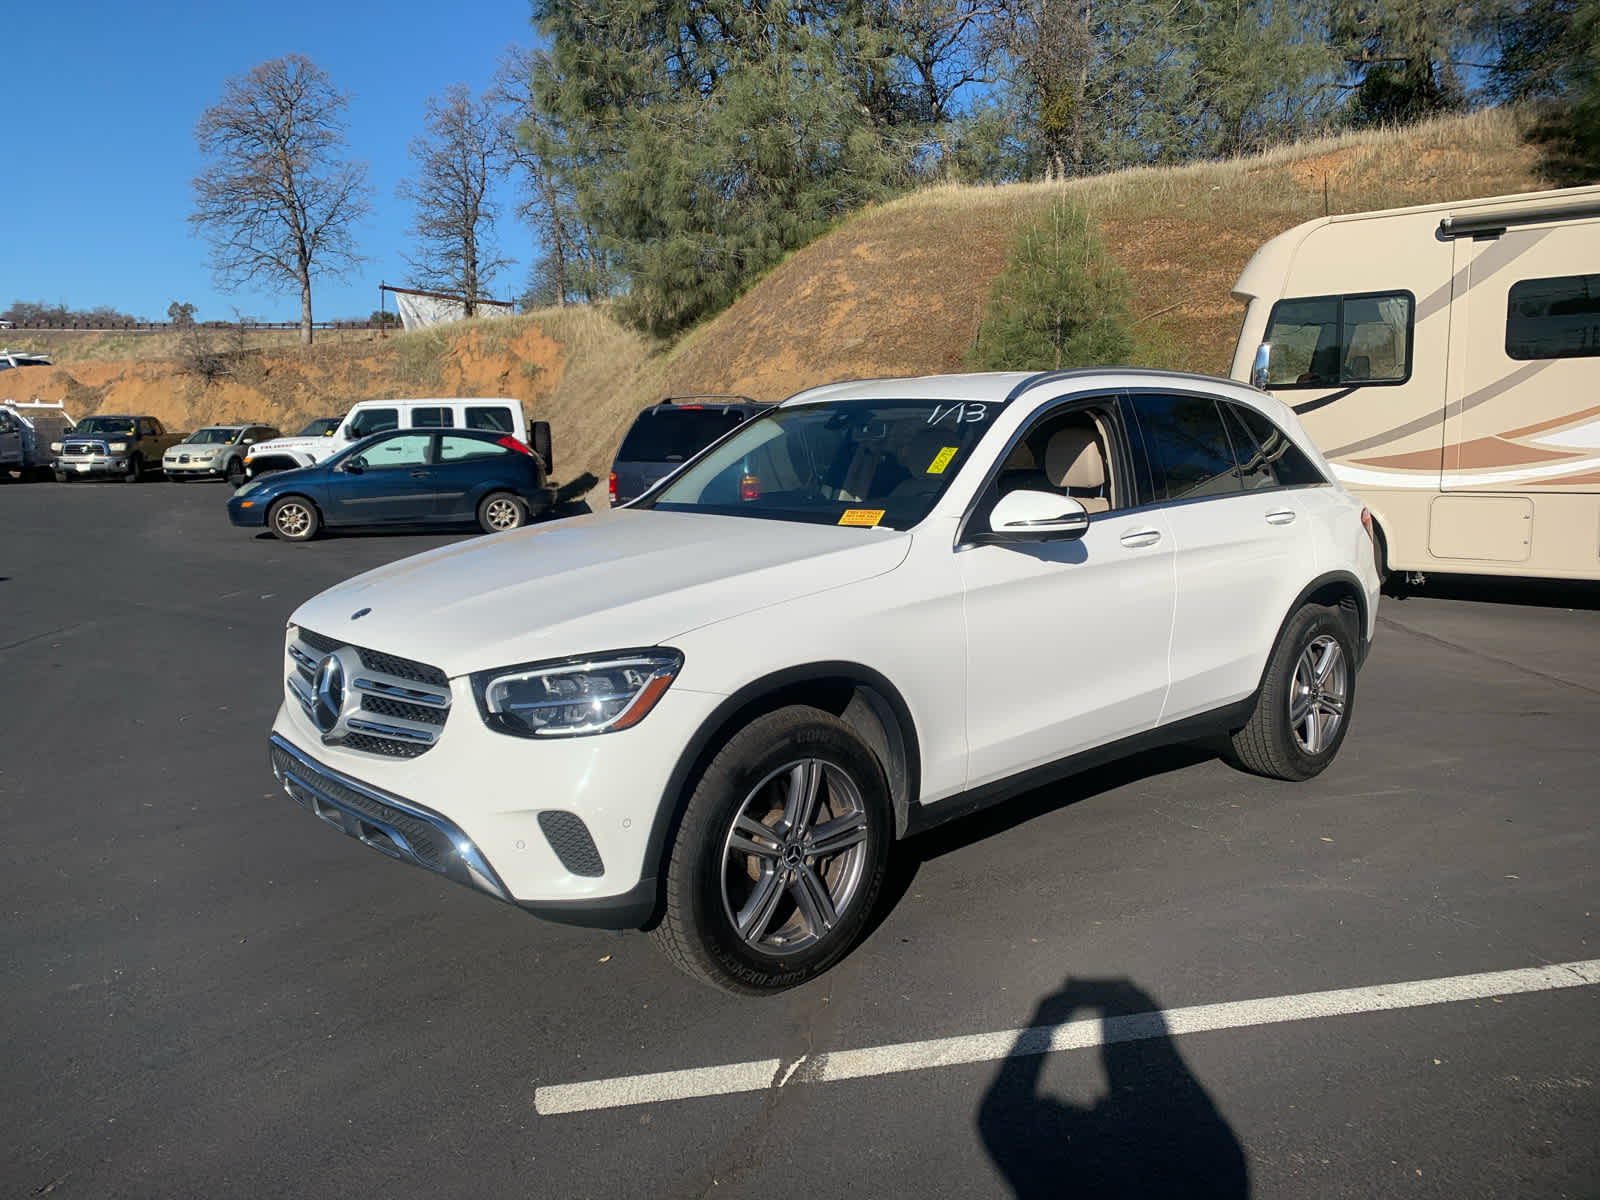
1258	370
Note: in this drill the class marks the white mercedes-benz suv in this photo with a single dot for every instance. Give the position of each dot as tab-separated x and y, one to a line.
881	604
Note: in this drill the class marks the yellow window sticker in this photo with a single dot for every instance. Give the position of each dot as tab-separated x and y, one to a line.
941	460
861	516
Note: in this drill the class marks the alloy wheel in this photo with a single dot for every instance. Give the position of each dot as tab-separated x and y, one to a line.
293	519
502	513
794	859
1318	696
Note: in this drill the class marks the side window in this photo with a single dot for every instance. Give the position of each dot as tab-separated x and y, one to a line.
497	419
431	418
1069	453
147	427
373	420
1340	341
408	450
459	449
1553	318
1267	456
1188	446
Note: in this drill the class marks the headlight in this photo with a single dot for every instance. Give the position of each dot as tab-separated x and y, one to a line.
117	447
252	486
56	447
573	696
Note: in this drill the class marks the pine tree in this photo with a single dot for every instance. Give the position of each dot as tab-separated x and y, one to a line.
1061	301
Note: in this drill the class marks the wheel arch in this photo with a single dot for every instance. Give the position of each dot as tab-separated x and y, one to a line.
858	695
1342	590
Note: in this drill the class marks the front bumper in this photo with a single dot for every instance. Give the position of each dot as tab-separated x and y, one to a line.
383	820
191	470
252	517
566	828
116	464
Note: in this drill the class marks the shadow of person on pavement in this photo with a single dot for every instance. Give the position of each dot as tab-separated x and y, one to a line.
1155	1132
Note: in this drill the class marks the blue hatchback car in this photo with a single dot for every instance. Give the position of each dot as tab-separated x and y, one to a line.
402	477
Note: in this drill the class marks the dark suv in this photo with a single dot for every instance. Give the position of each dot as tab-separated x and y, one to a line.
665	436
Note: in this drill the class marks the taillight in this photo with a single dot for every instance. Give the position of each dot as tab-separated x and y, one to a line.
613	487
749	487
511	443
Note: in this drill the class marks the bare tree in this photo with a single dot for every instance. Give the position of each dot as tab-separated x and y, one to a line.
572	263
279	200
454	225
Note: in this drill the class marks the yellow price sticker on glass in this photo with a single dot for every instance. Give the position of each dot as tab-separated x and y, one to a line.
941	460
861	516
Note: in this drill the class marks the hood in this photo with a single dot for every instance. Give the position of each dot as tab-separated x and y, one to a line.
607	581
321	447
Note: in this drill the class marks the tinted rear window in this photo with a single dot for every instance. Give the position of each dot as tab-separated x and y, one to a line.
674	435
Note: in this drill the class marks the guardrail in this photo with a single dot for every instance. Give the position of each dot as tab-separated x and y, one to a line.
168	326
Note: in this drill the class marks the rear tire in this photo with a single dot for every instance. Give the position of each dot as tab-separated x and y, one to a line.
294	519
500	511
780	857
1306	700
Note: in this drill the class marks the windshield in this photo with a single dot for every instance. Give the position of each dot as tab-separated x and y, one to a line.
850	462
321	427
214	437
116	426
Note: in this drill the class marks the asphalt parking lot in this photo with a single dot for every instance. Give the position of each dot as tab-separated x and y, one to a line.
209	993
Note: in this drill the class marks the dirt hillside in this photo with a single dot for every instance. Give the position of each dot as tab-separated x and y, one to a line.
898	289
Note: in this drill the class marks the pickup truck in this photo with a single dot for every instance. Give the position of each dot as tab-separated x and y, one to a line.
127	447
26	431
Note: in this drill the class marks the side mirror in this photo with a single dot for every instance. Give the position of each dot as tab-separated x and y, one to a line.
1025	516
355	465
1259	369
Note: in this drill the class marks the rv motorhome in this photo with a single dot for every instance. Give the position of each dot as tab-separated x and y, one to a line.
1446	360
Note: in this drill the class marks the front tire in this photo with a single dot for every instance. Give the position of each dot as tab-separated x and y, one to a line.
780	857
1306	700
234	473
135	472
500	511
293	519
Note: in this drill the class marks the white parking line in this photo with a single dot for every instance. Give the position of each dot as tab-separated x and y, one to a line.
831	1067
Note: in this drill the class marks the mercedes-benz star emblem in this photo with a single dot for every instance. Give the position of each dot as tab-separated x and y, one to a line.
328	693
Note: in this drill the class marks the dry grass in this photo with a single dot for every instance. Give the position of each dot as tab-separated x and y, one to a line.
897	289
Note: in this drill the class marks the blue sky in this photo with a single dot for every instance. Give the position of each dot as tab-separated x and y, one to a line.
99	110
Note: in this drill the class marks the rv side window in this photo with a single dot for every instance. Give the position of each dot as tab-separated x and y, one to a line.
1340	341
1554	318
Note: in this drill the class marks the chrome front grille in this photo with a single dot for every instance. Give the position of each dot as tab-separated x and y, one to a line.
82	448
382	704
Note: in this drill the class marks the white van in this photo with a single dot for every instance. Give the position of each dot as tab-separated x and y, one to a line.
496	413
1446	360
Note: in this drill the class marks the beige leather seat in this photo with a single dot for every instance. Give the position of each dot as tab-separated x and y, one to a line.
1073	462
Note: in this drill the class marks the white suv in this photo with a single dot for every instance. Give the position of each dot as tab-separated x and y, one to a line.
877	606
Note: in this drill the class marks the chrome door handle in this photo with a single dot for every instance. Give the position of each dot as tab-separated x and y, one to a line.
425	474
1141	537
1281	516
